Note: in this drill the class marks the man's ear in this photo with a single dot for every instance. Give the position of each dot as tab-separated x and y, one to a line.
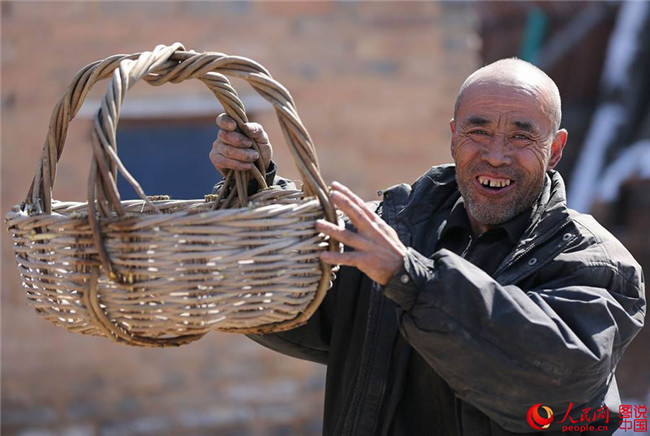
452	127
557	147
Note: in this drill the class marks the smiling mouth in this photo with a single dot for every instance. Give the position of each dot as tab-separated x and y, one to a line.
494	183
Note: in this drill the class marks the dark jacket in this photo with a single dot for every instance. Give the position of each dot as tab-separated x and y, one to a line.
548	327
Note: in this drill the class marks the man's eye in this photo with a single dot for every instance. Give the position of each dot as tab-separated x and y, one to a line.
521	137
479	132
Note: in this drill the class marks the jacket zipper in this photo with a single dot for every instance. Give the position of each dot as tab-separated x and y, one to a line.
363	391
535	244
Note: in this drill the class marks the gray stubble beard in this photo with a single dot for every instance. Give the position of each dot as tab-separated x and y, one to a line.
490	214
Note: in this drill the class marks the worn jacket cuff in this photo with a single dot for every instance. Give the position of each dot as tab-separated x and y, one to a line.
404	286
269	177
271	172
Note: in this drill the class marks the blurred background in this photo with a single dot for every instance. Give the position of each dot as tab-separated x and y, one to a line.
374	84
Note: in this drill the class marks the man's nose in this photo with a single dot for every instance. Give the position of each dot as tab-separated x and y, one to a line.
497	152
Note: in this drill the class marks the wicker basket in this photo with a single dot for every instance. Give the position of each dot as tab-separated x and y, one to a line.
159	272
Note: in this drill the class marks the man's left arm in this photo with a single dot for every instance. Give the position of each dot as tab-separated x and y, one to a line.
503	348
500	348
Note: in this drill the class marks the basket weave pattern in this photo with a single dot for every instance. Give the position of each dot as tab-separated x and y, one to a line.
160	272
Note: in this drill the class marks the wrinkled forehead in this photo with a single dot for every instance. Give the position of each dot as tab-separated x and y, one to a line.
494	95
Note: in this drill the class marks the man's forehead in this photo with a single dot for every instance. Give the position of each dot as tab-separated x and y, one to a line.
489	102
504	88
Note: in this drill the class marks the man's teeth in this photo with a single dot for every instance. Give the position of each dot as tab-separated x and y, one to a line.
493	183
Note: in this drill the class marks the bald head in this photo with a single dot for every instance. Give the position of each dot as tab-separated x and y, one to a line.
518	73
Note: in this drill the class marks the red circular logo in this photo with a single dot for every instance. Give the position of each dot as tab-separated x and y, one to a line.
536	421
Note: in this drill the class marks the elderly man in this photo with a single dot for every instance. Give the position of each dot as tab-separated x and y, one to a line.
473	302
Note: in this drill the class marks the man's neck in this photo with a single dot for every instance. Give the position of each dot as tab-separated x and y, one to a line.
477	227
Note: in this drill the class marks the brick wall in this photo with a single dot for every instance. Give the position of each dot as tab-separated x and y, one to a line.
374	84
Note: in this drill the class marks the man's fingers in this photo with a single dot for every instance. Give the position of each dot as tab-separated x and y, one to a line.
235	139
354	212
243	154
347	237
250	132
348	258
256	132
225	122
363	218
222	162
251	144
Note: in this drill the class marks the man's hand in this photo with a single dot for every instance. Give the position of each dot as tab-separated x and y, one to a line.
233	150
378	252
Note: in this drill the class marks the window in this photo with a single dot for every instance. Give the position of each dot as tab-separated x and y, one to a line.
168	157
165	142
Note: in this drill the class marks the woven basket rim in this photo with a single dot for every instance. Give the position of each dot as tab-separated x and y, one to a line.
80	209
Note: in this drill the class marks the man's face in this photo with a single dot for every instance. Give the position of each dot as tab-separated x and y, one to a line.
503	142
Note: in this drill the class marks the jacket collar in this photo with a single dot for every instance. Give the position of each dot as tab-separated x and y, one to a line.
513	229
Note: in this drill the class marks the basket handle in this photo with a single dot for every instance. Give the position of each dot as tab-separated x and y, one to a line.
167	64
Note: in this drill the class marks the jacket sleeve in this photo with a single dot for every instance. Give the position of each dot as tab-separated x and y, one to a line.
503	348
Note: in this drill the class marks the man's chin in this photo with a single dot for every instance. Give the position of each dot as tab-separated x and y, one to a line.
489	215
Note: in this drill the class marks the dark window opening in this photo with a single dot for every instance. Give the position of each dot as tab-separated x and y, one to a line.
168	157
